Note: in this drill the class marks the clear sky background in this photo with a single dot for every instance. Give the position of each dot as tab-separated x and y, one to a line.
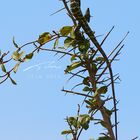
35	109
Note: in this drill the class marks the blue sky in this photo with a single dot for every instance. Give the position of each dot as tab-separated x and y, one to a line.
35	109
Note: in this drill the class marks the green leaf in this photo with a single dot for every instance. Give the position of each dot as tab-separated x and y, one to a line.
73	66
86	88
72	33
15	44
29	56
3	68
16	55
89	102
68	42
100	58
73	121
102	90
44	38
84	46
16	67
73	57
66	132
84	120
86	81
85	126
70	119
65	30
56	43
13	81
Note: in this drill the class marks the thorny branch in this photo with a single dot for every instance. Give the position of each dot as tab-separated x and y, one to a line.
91	65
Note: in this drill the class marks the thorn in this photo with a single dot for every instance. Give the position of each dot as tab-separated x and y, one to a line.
57	11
